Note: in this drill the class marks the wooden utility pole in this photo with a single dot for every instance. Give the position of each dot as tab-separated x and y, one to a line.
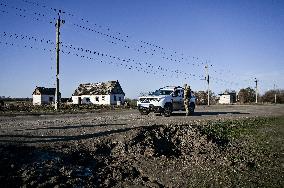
207	79
57	91
256	90
275	97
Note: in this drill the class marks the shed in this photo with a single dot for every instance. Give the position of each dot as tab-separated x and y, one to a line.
227	98
42	95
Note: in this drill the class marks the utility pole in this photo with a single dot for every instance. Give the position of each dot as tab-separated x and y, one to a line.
256	90
57	93
275	94
207	79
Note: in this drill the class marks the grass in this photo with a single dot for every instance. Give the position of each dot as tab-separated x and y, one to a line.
253	151
222	132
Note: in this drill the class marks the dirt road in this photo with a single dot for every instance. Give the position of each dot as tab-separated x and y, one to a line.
118	148
73	127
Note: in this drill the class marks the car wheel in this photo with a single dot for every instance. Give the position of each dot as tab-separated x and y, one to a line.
144	112
167	111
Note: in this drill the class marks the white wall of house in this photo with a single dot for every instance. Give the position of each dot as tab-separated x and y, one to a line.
98	99
225	99
75	99
43	99
36	99
91	99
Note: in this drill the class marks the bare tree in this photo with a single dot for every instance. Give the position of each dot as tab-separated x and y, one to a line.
269	96
201	97
246	95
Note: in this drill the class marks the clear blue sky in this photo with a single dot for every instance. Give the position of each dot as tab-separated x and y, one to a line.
240	39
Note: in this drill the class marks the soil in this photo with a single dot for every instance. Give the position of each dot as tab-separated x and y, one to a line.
121	148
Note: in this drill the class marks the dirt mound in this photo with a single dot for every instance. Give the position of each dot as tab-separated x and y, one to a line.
170	141
108	164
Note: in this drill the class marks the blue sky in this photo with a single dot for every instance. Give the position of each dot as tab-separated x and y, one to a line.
242	40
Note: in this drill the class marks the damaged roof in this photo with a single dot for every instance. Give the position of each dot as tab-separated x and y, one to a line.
44	91
101	88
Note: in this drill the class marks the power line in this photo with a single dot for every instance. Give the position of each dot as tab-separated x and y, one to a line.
142	65
103	34
24	13
173	57
113	37
79	49
27	37
22	37
170	58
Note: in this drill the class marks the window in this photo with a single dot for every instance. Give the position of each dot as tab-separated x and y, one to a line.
176	93
162	92
88	100
50	99
114	98
103	98
97	99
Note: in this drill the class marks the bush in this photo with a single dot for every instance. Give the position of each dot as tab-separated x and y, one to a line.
131	103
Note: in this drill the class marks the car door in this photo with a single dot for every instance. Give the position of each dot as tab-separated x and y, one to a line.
182	107
177	100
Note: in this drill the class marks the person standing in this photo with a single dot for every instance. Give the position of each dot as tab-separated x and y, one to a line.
186	98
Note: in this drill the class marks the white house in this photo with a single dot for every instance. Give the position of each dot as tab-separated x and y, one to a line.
102	93
227	98
42	95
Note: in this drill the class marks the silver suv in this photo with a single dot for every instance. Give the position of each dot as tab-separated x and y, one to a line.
165	101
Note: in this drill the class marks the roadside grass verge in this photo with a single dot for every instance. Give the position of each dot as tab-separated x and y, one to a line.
222	132
252	151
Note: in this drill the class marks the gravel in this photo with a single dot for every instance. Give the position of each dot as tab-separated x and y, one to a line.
121	148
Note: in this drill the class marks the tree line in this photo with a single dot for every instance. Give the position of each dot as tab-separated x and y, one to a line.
244	96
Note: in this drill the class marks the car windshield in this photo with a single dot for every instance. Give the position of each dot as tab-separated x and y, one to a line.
161	92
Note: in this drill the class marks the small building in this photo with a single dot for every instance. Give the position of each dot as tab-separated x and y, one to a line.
102	93
227	98
42	95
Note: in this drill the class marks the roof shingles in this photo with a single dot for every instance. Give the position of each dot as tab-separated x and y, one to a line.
44	91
